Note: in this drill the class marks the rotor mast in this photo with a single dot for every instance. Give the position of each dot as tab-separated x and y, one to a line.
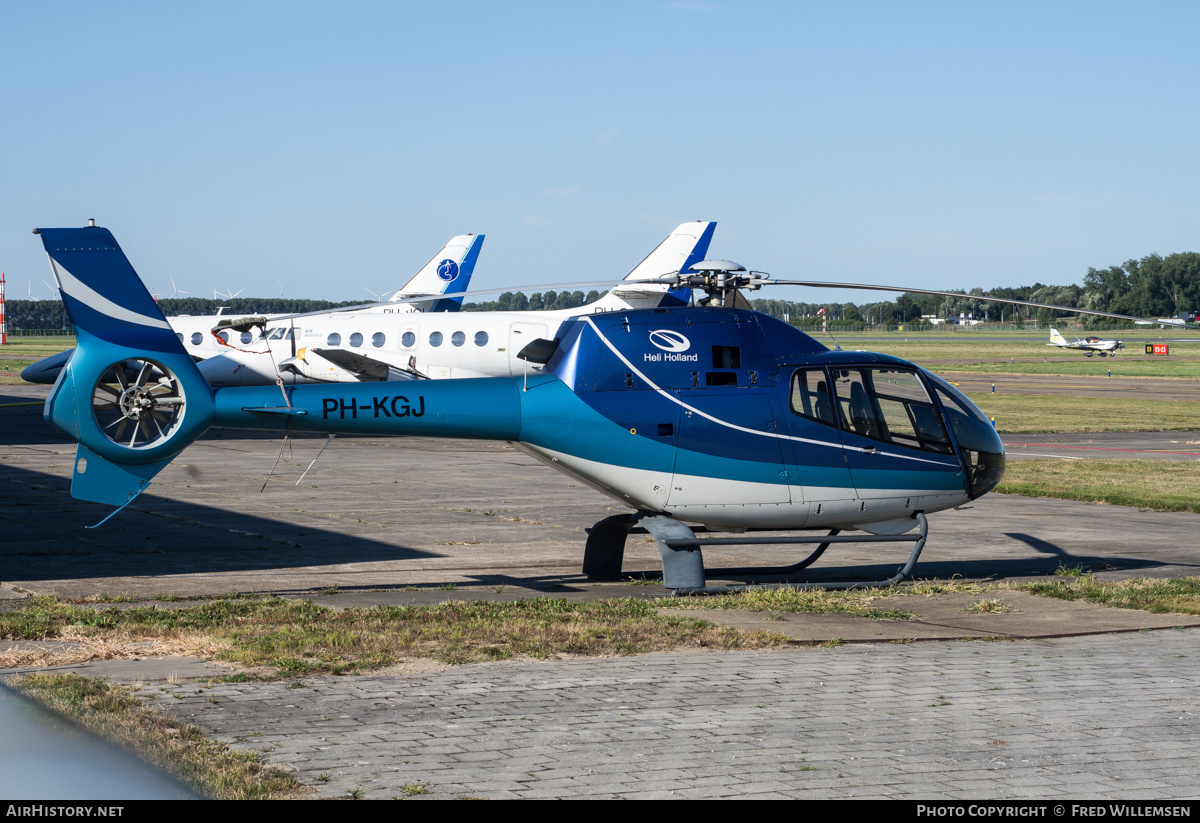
720	280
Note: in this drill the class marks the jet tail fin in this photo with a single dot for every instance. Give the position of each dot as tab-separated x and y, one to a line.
130	395
447	273
686	245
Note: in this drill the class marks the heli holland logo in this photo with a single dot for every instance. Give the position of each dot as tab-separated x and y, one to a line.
447	270
673	345
671	341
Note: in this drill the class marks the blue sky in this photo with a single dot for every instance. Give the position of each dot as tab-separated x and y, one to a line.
337	146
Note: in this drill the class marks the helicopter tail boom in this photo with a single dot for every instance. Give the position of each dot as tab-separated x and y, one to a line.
133	398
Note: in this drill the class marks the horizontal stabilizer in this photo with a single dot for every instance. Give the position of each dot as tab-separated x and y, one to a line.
275	410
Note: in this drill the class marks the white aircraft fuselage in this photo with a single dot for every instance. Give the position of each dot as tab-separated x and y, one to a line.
352	347
1090	346
434	345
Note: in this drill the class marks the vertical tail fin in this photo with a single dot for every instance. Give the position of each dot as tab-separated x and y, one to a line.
448	272
130	395
1057	338
686	245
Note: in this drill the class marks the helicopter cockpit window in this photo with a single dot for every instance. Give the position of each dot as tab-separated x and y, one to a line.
890	405
810	396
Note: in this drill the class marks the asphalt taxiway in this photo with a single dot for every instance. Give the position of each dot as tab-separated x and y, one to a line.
390	515
1078	702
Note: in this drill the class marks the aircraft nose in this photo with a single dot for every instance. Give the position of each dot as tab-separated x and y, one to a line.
222	371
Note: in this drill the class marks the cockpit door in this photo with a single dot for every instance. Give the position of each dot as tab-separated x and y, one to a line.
819	472
895	442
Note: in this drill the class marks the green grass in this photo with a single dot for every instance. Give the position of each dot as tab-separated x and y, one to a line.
296	638
1028	413
1162	485
805	601
959	352
20	352
1161	596
210	768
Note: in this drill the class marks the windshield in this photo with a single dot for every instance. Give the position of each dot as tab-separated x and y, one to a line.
976	436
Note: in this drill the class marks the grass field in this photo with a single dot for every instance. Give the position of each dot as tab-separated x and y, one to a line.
20	352
1027	353
1162	485
1029	413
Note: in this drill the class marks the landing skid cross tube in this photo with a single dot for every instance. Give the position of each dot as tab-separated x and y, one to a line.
683	560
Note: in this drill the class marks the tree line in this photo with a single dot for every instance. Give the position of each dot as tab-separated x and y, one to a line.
52	314
1154	286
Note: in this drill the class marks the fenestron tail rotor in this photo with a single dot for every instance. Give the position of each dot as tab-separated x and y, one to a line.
138	403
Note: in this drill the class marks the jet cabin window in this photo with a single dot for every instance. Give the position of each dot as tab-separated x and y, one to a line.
890	405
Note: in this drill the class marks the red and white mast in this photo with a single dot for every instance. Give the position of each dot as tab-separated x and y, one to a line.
3	325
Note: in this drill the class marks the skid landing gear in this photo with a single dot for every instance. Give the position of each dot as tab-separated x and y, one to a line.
683	560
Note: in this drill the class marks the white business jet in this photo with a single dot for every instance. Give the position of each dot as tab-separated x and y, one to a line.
358	346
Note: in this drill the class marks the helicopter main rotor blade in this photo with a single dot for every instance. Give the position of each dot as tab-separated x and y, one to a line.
868	287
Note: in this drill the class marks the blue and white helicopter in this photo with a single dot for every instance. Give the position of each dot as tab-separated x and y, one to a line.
714	415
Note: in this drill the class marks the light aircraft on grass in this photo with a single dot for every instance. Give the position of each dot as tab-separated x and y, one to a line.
436	287
1089	346
712	414
351	346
